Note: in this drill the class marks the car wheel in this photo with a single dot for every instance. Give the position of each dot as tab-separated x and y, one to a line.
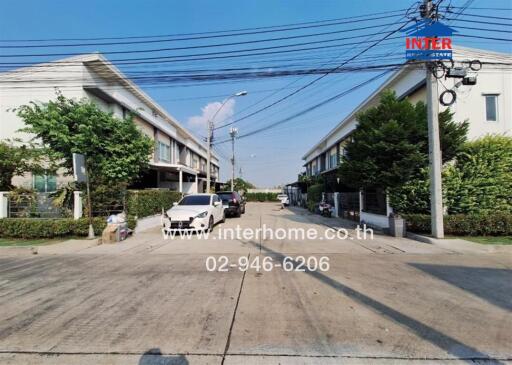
210	224
238	212
223	220
243	210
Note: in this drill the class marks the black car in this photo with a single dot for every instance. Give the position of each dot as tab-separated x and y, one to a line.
233	203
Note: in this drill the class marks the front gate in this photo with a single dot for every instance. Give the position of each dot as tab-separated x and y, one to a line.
348	206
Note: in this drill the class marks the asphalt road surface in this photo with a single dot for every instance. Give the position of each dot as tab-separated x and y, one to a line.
152	301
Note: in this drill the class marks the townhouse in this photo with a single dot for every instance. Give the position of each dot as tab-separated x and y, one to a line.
487	106
179	159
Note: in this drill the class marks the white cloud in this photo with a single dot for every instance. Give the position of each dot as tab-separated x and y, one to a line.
199	122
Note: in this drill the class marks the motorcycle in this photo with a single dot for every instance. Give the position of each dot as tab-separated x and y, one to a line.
325	209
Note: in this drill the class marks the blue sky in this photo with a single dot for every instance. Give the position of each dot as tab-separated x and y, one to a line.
266	159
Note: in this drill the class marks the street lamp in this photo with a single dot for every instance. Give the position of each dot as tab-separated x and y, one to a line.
209	138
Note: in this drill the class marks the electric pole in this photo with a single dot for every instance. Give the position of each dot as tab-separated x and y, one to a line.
434	155
233	132
209	138
209	155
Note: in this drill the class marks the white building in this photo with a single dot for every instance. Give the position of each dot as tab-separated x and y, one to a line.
487	106
179	161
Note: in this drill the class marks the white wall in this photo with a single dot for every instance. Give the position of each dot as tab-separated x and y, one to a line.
470	103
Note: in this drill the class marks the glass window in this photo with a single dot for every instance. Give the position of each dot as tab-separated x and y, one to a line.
45	183
195	200
164	152
333	158
491	108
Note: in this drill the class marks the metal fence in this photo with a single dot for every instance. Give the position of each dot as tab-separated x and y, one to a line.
34	205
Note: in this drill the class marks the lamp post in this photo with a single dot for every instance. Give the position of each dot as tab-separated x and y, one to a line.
209	138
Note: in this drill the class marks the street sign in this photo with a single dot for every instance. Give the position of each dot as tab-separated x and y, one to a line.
79	167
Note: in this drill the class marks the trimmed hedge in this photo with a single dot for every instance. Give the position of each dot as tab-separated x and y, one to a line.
495	224
50	228
261	197
143	203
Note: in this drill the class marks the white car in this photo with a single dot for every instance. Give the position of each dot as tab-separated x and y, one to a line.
194	212
283	198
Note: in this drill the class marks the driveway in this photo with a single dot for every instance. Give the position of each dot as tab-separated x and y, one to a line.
152	301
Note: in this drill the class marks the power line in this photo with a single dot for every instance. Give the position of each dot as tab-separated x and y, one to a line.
316	79
307	110
214	32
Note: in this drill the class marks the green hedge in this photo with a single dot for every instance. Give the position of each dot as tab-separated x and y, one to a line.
143	203
50	228
314	196
261	197
492	224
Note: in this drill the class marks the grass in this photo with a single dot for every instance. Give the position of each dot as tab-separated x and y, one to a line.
489	240
18	242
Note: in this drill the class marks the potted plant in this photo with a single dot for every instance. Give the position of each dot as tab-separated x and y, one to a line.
396	225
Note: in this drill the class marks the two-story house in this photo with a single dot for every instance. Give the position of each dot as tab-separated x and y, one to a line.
487	106
179	159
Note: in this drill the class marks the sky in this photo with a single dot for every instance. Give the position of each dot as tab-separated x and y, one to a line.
266	159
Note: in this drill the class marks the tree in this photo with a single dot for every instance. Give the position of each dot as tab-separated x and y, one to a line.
18	159
115	150
389	147
241	185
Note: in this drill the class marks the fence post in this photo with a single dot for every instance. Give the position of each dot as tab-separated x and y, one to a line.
77	205
336	204
4	204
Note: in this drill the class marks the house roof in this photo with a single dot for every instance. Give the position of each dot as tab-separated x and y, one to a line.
98	60
458	53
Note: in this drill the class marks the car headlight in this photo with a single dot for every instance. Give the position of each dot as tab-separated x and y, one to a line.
201	215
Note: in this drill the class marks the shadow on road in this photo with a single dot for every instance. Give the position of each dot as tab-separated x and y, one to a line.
154	357
490	284
437	338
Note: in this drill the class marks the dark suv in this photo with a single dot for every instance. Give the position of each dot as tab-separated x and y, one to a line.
233	203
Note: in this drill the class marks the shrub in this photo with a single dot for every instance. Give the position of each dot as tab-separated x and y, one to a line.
50	228
481	178
483	224
143	203
261	197
314	196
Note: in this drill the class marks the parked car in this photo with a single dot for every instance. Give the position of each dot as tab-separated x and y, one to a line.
233	203
195	212
283	198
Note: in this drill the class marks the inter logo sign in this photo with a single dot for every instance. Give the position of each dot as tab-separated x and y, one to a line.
428	41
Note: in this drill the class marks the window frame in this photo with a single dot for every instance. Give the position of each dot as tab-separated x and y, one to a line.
496	113
167	157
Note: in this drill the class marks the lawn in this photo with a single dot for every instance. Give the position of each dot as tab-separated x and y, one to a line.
17	242
489	240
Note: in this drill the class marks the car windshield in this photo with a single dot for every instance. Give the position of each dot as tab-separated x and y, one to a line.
225	196
195	200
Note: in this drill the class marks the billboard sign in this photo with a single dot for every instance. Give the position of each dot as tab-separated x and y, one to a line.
428	40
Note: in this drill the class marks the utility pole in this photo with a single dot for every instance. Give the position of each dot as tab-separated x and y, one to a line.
209	155
233	132
209	138
434	155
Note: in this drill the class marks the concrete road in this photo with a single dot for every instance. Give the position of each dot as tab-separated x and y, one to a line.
152	301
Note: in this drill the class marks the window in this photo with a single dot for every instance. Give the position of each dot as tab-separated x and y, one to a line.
333	158
195	200
45	183
164	152
314	170
491	107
